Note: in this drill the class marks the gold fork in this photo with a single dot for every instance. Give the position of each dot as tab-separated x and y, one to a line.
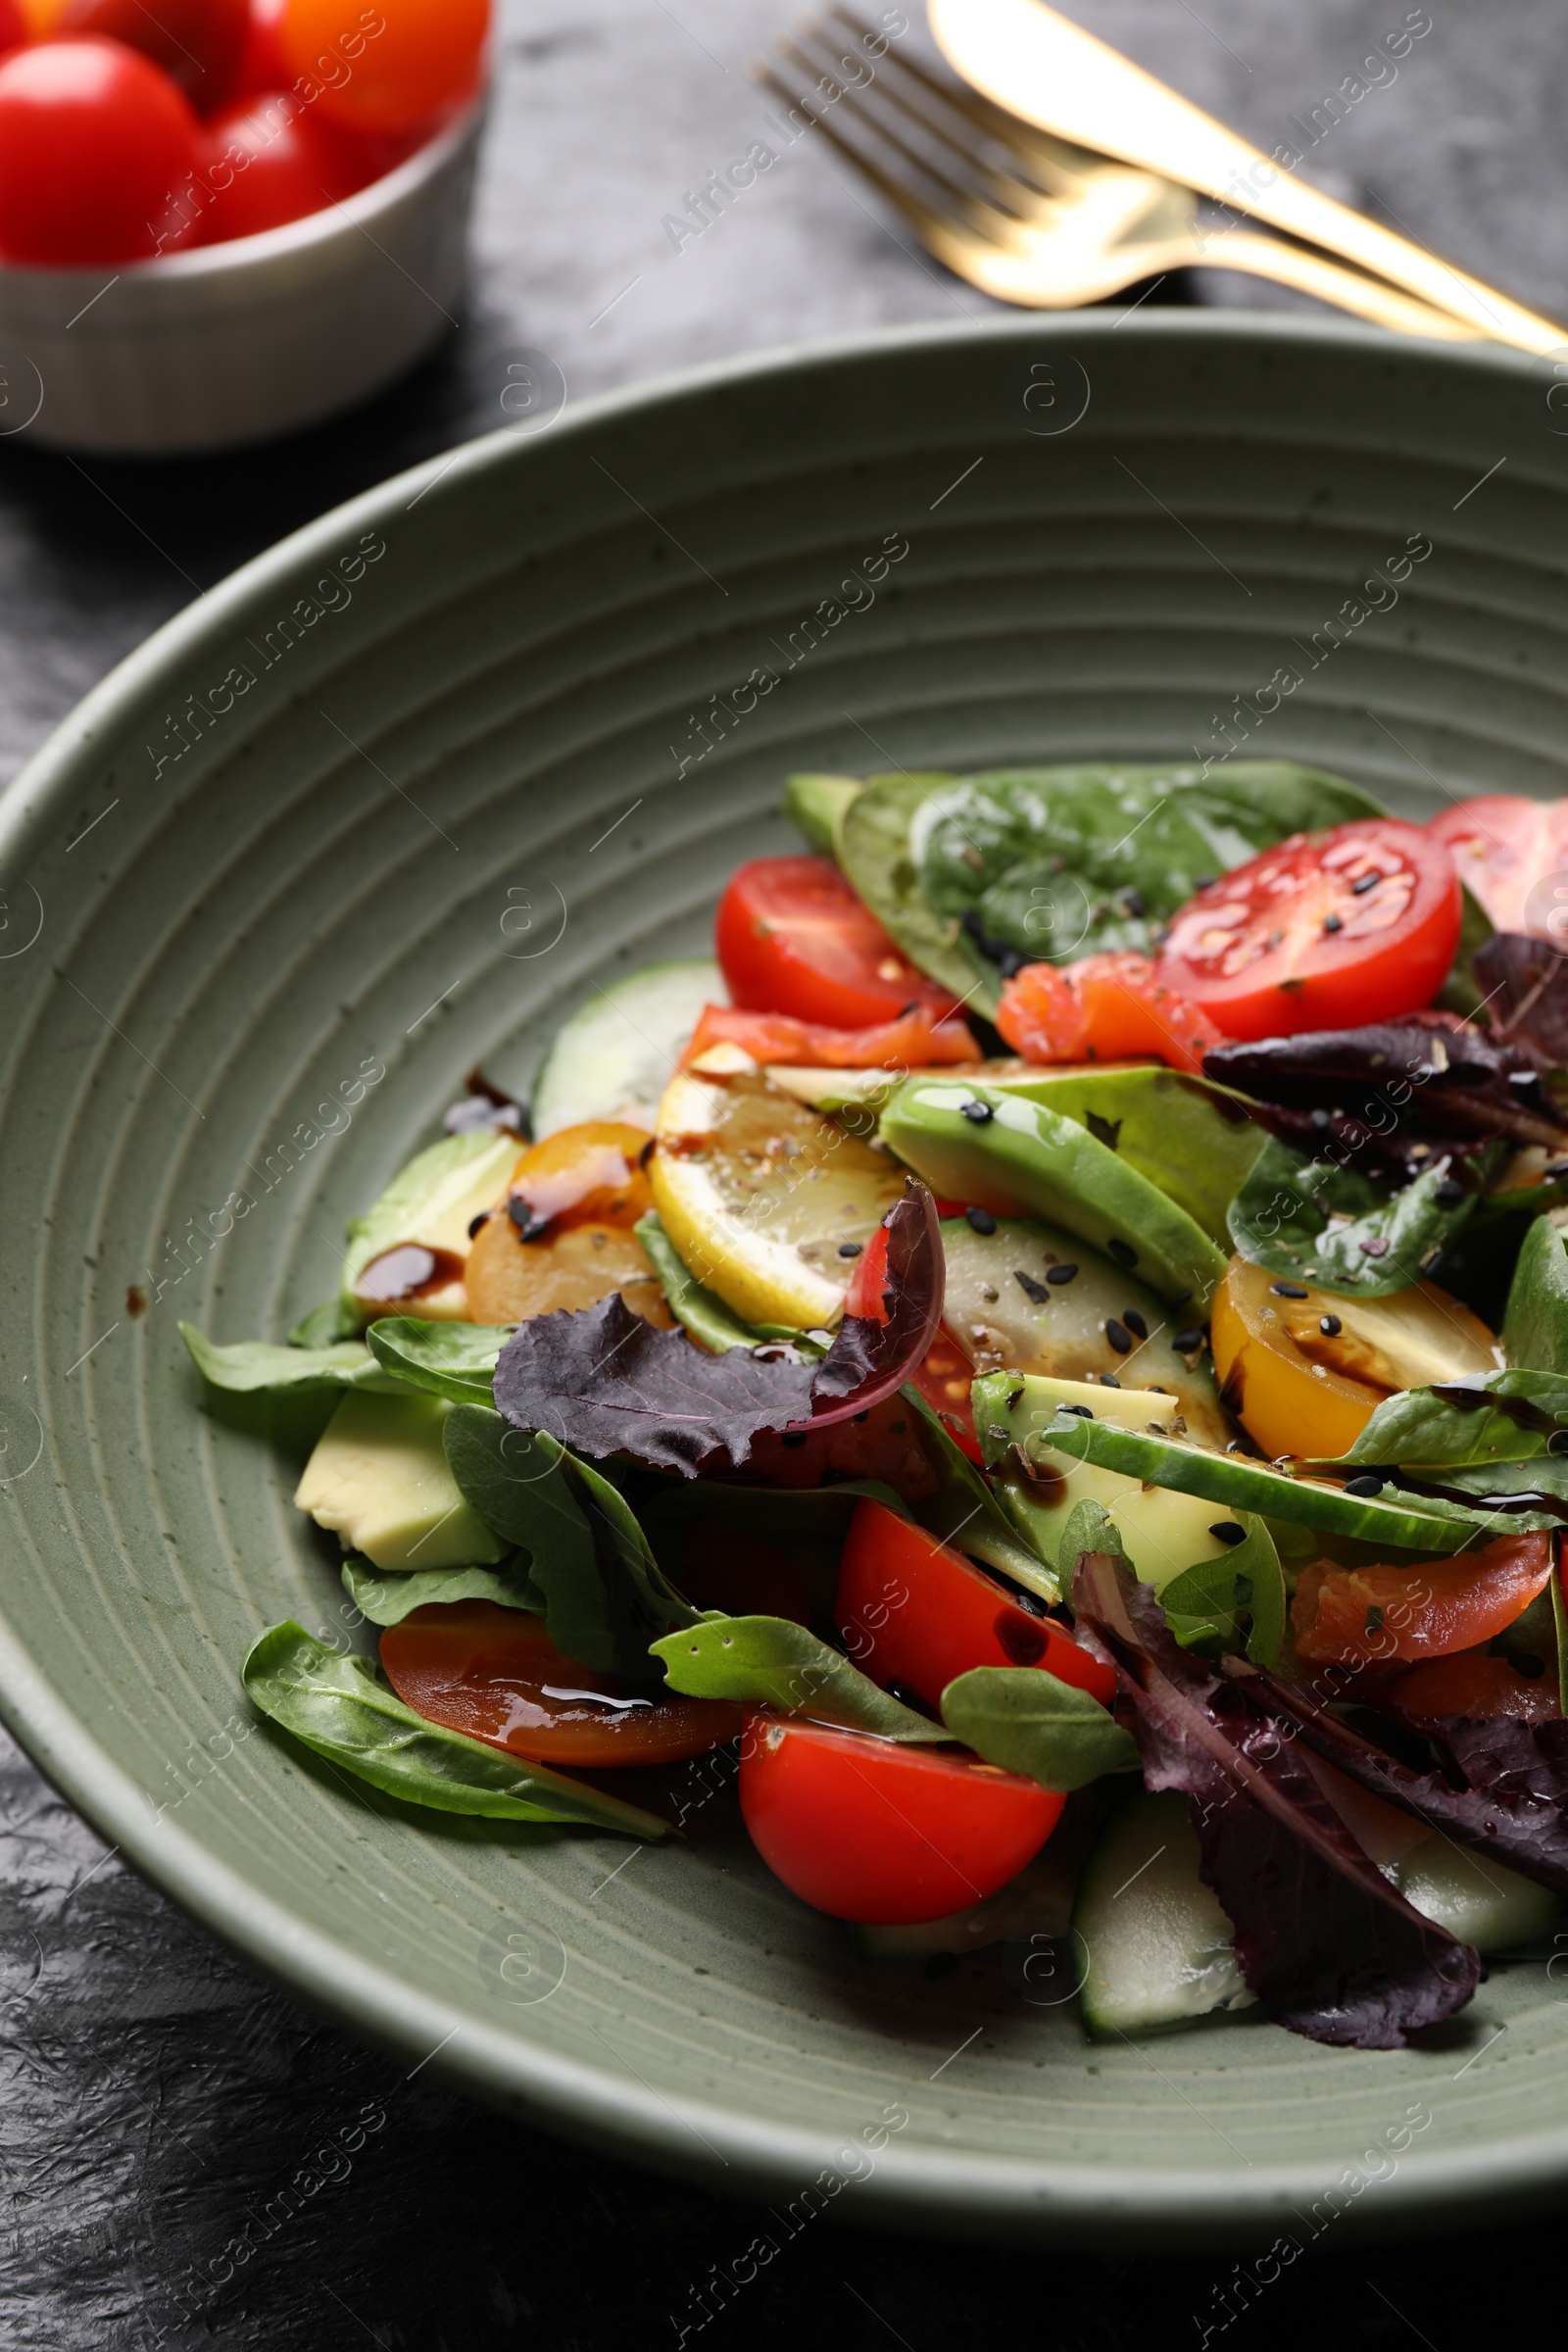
1024	215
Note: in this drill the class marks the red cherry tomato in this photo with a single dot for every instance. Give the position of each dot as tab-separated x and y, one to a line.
267	161
13	26
863	1829
495	1675
1359	1616
96	147
1113	1008
793	937
383	65
197	42
910	1042
1472	1684
945	1380
262	64
1505	848
1325	931
912	1610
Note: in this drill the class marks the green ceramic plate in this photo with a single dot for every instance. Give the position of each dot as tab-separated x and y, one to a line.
392	801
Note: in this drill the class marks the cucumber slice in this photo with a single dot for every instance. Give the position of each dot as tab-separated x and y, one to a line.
615	1056
1473	1895
1155	1943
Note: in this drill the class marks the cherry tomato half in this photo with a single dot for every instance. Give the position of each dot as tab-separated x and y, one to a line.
387	65
96	145
1324	931
1472	1684
1505	848
267	161
866	1829
1359	1616
197	42
495	1675
793	937
912	1610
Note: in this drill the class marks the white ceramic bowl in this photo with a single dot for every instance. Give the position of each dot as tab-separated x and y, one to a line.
233	343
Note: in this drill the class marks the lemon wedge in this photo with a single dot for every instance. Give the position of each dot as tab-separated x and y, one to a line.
768	1203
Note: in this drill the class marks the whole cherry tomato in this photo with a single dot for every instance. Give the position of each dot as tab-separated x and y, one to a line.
792	937
96	149
864	1828
13	26
383	65
267	161
197	42
262	66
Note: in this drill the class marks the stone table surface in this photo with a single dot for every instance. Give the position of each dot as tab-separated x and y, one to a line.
152	2089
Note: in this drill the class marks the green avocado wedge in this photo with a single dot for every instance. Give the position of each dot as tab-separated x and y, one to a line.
1195	1140
1020	1159
1014	1408
873	841
1534	1323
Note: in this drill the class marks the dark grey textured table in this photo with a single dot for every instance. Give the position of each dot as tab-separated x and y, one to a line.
155	2097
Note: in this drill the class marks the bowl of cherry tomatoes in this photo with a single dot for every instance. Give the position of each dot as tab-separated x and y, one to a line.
228	218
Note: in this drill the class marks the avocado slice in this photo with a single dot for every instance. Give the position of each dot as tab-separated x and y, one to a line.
1003	1153
1196	1141
432	1202
380	1479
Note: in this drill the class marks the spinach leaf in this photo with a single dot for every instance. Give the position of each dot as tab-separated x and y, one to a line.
965	1512
818	805
324	1325
447	1359
712	1324
1468	1421
335	1706
877	852
1559	1619
1029	1723
1332	1227
605	1595
1535	1325
769	1661
386	1598
254	1367
1237	1601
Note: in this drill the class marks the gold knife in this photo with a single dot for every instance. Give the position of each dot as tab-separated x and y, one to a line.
1042	67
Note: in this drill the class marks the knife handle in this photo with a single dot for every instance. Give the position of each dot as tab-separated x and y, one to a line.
1040	65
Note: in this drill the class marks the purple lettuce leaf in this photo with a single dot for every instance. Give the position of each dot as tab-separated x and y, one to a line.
1502	1787
1330	1949
605	1382
1526	981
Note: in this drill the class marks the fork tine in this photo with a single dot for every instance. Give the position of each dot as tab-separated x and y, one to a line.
1047	158
952	127
869	120
926	223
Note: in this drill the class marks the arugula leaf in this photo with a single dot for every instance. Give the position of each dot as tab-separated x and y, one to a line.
605	1595
447	1359
324	1325
965	1514
1090	1528
1331	1226
1534	1324
1237	1599
386	1598
1467	1421
1330	1947
769	1661
712	1324
253	1367
335	1706
1030	1723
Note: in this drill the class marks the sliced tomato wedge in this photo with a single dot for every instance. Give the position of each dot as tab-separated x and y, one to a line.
1110	1007
1325	931
1472	1684
495	1675
792	937
912	1039
866	1830
1506	848
912	1610
1360	1616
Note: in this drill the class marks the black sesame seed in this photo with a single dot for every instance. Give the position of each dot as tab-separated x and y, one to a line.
1374	1619
1123	1253
1061	1273
1203	882
1287	1290
850	1248
1365	882
1082	1411
1332	922
475	1224
1226	1531
1134	903
1013	1395
1189	1342
1135	1322
1370	1481
1330	1326
1181	1299
1121	1338
529	1226
1034	1292
978	1113
792	1436
980	1220
1448	1192
1108	1380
